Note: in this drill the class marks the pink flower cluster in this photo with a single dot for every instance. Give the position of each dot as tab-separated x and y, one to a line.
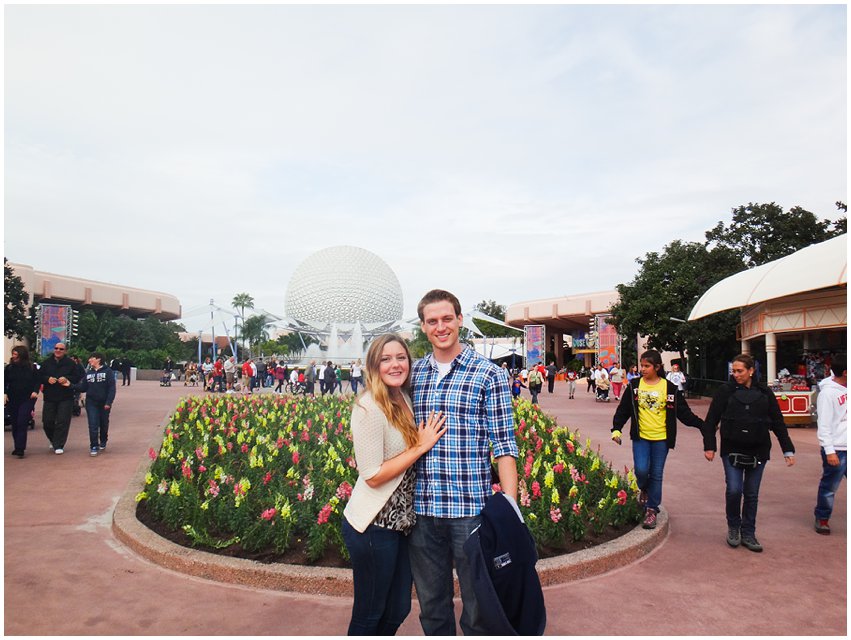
324	514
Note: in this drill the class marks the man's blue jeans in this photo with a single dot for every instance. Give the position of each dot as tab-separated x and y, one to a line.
830	479
649	460
381	573
98	418
435	544
742	496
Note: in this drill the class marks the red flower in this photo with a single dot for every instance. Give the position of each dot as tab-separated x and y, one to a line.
244	448
269	513
536	489
324	514
558	468
152	454
296	457
622	497
267	478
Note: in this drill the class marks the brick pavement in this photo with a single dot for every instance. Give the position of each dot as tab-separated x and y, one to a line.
66	574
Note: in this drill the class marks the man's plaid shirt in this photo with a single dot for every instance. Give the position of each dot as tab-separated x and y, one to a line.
454	478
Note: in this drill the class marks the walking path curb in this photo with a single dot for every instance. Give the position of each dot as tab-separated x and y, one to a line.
330	581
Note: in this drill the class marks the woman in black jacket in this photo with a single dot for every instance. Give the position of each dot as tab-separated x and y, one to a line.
653	405
21	384
747	411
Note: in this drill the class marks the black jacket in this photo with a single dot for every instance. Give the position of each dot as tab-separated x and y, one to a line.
62	368
19	383
676	408
768	406
99	386
502	557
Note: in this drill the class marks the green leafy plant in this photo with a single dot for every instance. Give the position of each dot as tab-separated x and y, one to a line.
262	471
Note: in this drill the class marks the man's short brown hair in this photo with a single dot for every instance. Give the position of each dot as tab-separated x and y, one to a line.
438	295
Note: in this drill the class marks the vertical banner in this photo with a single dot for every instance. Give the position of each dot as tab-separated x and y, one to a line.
608	342
54	326
535	348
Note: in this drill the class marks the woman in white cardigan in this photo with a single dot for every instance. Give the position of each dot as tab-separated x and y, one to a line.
380	513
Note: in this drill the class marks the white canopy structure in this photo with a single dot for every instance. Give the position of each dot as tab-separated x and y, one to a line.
815	267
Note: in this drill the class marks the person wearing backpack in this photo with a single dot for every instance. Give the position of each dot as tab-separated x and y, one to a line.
536	383
748	412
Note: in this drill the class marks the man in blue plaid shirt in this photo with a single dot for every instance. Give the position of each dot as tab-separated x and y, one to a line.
454	478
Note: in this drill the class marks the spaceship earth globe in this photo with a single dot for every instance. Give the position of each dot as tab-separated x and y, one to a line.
344	285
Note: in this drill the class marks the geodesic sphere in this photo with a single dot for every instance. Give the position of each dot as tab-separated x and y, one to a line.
344	284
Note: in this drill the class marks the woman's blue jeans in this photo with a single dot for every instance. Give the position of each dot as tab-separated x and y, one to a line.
649	460
381	573
743	496
830	479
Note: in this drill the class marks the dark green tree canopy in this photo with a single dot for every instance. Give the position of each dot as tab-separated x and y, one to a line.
16	319
494	310
667	286
760	233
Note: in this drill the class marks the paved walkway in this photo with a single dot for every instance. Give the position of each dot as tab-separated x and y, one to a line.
65	574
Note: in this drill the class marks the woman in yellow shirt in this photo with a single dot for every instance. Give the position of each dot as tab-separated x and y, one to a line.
654	405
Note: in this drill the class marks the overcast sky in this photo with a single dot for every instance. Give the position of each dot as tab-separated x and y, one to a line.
500	152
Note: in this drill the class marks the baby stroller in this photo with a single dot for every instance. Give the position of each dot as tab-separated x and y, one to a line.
603	386
165	381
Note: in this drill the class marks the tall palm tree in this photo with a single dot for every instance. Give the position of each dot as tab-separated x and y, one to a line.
242	301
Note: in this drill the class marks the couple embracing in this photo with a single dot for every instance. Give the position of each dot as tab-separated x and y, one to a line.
422	438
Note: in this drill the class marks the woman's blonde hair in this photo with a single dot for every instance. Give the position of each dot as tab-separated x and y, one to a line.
393	406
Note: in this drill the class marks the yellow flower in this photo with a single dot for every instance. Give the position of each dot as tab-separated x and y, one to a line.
149	479
595	464
549	478
573	492
556	497
174	489
141	496
205	505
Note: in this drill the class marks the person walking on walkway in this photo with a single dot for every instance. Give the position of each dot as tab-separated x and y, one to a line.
380	513
536	383
21	384
653	405
617	375
571	383
832	408
552	370
747	411
59	374
99	387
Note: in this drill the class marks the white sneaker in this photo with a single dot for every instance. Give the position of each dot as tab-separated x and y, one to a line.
59	452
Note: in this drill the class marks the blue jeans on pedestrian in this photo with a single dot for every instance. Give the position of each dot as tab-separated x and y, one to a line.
742	496
435	544
830	479
98	418
381	572
355	382
649	460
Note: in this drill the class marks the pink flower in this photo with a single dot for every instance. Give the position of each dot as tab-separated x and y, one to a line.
267	478
324	514
296	457
279	442
305	435
555	514
344	491
558	468
186	470
575	508
621	497
152	454
201	468
351	462
570	446
527	469
269	513
244	448
230	446
536	489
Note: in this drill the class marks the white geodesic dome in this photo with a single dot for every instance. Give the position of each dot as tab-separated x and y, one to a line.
344	285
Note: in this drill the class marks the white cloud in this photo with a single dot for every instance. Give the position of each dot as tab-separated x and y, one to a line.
463	144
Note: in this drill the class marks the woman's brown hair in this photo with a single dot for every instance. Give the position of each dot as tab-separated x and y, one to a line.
393	406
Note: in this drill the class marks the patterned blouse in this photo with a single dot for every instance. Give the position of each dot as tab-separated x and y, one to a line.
398	513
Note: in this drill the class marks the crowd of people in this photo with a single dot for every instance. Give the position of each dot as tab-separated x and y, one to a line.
226	375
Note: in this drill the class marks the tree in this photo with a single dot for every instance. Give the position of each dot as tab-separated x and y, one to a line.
242	301
16	321
664	291
760	233
254	329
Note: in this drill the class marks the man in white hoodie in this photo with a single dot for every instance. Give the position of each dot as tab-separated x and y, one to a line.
832	434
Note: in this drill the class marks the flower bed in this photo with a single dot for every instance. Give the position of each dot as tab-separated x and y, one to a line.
268	472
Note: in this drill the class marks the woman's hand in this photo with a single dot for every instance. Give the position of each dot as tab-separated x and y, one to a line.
709	455
790	460
616	436
430	431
